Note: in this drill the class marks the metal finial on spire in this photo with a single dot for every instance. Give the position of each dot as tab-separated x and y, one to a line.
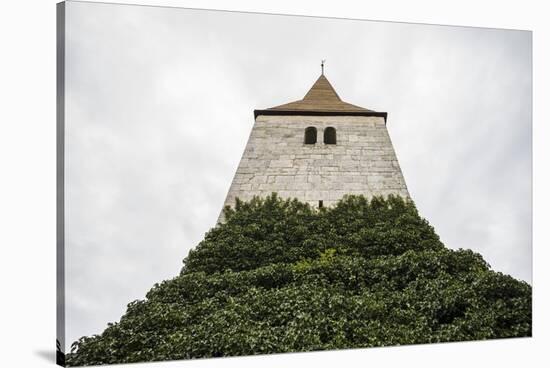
323	67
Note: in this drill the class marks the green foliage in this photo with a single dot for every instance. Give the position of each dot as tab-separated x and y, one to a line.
280	276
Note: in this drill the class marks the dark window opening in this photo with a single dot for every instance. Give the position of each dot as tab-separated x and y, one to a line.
310	136
330	135
320	204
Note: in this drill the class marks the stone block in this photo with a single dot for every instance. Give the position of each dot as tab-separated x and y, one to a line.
280	163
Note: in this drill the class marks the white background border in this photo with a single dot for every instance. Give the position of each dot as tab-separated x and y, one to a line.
27	181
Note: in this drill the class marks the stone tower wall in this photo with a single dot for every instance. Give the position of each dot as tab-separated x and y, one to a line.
276	159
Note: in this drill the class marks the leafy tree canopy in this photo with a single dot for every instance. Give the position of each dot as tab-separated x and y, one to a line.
280	276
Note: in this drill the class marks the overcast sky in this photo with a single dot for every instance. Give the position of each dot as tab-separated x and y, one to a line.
159	106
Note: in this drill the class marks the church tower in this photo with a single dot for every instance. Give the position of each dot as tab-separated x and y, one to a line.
318	149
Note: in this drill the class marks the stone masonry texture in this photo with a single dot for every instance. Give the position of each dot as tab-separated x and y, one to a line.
276	159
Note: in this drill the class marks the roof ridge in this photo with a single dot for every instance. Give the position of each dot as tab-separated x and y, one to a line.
321	85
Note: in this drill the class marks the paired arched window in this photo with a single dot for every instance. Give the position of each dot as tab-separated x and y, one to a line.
330	135
310	135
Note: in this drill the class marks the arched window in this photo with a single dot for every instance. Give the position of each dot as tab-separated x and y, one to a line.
310	136
330	135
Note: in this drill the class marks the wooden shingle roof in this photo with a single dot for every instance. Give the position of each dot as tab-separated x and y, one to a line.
321	99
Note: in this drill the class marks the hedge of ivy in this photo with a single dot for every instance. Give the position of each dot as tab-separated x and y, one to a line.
279	276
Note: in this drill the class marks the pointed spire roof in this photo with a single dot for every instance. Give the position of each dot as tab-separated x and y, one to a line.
321	99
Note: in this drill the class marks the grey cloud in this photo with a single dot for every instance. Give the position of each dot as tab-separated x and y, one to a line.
159	108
